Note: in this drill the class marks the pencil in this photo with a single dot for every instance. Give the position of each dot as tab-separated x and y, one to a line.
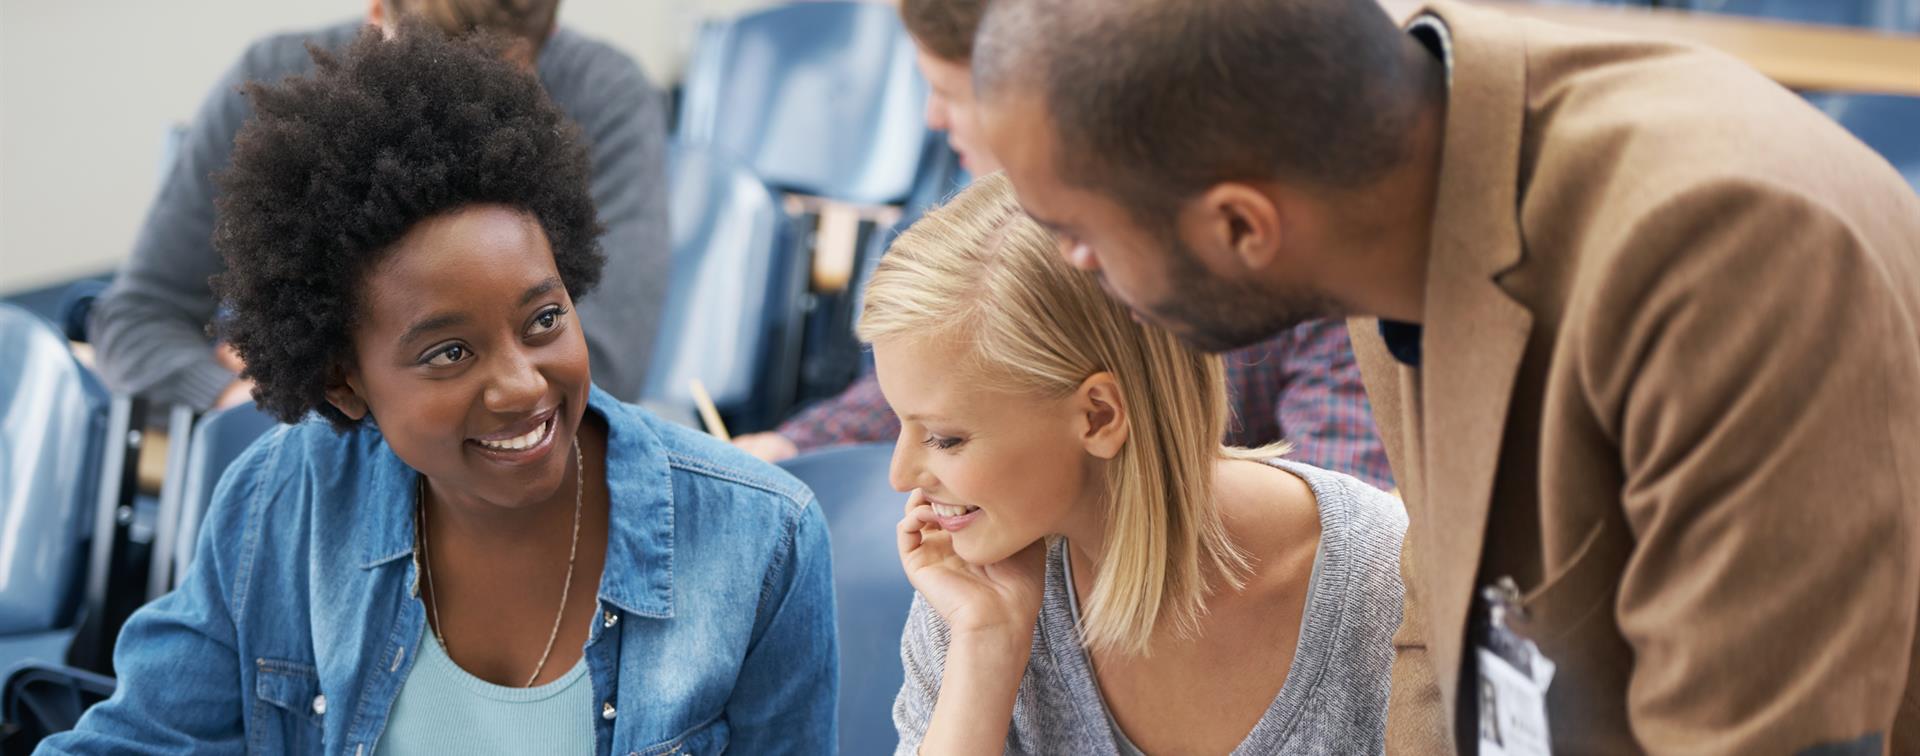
709	414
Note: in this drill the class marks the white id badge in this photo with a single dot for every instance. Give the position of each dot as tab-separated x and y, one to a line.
1513	678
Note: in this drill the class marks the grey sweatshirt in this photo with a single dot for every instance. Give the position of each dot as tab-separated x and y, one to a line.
1334	700
150	327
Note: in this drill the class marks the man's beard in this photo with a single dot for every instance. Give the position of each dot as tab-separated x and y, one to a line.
1219	315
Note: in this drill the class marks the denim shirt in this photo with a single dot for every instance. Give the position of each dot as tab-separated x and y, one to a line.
299	619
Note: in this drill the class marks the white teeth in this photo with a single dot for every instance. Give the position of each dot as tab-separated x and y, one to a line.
951	510
532	439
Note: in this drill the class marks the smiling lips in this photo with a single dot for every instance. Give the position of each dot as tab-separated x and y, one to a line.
953	516
951	510
513	445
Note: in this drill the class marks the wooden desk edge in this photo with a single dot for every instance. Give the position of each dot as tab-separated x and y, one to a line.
1799	56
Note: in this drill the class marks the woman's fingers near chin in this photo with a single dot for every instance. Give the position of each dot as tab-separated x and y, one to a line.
907	533
917	500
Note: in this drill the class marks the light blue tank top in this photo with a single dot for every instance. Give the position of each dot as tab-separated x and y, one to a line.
444	709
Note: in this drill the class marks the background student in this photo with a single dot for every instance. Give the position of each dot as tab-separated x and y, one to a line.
150	329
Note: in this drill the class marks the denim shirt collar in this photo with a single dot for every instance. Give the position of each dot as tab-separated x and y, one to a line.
639	527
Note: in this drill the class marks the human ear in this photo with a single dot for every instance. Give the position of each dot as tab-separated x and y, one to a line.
1104	410
345	393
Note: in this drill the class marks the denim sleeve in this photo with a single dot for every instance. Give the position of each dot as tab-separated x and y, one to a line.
177	658
784	700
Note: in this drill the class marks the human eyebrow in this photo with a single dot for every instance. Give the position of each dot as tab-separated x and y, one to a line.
431	324
552	282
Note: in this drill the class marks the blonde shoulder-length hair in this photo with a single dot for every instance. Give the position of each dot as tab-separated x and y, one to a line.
979	272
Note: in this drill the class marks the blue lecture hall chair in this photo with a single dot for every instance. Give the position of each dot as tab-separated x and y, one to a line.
1889	124
53	418
54	477
215	442
733	314
1887	15
872	592
821	99
42	699
69	500
76	304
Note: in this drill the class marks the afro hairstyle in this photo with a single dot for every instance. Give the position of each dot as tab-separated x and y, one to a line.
336	166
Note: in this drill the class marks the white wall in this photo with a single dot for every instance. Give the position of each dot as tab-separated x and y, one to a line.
89	87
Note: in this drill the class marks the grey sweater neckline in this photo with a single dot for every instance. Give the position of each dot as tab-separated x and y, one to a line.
1320	629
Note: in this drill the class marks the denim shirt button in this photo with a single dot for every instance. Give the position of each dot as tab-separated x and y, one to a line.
606	710
398	656
320	705
610	619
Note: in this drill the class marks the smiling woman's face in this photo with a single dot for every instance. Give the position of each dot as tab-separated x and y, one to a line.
468	355
1002	469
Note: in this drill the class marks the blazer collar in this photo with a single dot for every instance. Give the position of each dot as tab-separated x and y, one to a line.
1474	333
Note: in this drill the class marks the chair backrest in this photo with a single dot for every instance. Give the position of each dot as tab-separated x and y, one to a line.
872	592
941	177
820	98
53	416
76	304
733	306
1887	123
42	699
217	441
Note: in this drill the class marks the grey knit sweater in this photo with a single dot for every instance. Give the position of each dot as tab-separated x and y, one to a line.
150	326
1335	697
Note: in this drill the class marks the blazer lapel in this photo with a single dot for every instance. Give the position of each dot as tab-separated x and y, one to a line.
1474	333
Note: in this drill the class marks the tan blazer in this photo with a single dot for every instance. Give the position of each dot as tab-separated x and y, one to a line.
1671	385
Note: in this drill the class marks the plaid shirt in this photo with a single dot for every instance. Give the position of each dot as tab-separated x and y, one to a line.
1302	386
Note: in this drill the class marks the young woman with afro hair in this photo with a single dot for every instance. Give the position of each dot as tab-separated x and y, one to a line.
460	544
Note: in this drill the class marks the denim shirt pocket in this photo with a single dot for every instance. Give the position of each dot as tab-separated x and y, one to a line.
709	738
290	709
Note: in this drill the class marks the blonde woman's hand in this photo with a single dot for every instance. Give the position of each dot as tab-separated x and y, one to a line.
990	611
1000	600
768	446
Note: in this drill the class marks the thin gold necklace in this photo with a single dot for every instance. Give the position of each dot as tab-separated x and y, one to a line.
426	562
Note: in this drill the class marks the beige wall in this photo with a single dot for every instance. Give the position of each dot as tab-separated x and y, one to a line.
89	87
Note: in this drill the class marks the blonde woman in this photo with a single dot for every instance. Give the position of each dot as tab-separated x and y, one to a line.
1095	572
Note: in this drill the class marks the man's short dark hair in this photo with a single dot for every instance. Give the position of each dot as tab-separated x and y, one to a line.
944	27
336	166
1153	101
